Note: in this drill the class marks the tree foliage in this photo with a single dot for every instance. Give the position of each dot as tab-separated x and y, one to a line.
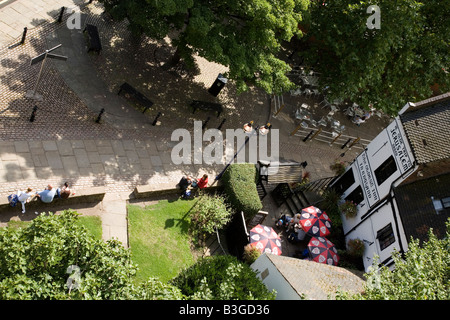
35	264
210	212
221	278
388	66
422	274
244	35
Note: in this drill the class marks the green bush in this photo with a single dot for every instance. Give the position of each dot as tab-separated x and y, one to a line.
210	211
221	278
239	182
250	254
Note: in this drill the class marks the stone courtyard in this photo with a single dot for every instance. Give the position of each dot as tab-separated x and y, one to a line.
65	143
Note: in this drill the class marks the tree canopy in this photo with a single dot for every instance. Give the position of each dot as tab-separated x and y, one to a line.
56	258
389	66
244	35
422	274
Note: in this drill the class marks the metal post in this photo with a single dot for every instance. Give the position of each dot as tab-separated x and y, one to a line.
40	73
61	14
156	119
345	144
354	142
296	129
205	123
315	134
33	114
24	34
307	137
100	115
334	140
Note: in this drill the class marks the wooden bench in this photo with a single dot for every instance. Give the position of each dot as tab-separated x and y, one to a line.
217	107
94	39
138	97
94	194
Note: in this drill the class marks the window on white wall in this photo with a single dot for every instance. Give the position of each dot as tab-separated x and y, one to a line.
385	236
385	170
345	181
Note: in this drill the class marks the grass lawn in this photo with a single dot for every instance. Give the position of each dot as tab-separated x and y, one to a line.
92	223
159	238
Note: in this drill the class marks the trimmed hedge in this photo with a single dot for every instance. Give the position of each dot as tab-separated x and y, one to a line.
239	182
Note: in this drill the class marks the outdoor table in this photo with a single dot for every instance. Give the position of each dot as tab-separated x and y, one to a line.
304	106
302	114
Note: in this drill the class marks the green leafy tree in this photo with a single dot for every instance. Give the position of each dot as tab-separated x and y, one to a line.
244	35
386	67
422	274
56	258
221	278
210	212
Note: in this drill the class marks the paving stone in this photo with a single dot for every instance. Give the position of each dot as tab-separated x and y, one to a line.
39	160
21	146
94	157
90	145
70	165
156	161
118	148
128	145
65	147
49	145
78	144
54	160
82	158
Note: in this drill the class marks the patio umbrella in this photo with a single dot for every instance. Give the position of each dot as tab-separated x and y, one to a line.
265	239
315	221
323	250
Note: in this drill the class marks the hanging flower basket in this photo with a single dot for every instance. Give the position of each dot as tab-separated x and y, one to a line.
348	208
338	167
356	247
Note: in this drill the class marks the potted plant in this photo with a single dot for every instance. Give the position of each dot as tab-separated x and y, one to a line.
348	208
250	254
356	247
338	167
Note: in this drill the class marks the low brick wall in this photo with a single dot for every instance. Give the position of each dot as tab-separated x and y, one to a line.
94	194
146	191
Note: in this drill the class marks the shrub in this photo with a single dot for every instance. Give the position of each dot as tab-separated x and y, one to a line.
240	186
210	211
221	278
250	254
338	167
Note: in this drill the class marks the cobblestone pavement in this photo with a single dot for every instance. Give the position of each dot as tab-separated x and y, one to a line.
64	143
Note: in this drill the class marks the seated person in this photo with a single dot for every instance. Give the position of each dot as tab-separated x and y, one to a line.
298	234
283	221
203	182
66	191
185	182
47	194
294	221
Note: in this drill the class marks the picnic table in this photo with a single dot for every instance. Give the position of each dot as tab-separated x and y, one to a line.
136	96
203	105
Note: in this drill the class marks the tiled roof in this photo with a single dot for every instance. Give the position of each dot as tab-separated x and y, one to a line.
416	207
427	127
317	281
